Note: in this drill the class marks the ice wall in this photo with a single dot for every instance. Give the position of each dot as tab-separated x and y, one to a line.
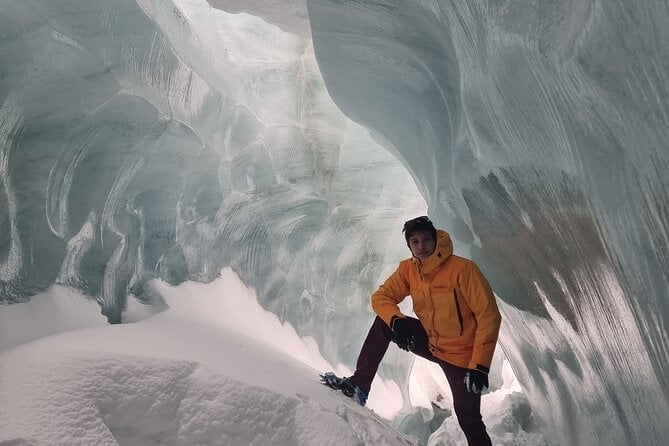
153	139
149	138
537	133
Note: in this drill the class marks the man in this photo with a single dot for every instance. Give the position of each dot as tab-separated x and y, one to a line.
457	326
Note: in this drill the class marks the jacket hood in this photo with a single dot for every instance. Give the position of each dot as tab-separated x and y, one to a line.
442	251
444	244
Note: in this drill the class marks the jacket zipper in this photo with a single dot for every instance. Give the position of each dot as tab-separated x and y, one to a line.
457	307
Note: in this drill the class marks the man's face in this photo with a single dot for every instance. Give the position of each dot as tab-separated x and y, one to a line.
422	245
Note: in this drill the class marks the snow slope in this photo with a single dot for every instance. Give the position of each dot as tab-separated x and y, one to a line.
214	368
176	378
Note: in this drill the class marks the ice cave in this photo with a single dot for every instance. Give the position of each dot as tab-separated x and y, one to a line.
197	198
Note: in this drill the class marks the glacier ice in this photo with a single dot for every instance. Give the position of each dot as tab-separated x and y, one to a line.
167	139
548	127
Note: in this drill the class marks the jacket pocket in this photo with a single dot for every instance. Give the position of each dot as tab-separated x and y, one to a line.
447	313
418	299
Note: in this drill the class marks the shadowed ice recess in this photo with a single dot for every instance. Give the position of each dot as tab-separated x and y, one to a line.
171	139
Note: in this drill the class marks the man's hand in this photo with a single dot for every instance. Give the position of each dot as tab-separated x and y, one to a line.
402	335
476	381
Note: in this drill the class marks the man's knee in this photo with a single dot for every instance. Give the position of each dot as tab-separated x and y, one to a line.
380	328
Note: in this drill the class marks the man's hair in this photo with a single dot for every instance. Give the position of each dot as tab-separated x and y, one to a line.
419	224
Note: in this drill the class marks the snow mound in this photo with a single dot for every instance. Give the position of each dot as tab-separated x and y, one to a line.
84	398
53	311
174	378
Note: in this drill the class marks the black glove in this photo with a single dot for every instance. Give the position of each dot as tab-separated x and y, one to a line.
476	381
402	335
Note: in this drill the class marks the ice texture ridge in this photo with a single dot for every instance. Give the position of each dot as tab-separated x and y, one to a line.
162	139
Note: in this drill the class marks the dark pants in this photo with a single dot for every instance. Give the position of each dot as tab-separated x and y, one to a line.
467	405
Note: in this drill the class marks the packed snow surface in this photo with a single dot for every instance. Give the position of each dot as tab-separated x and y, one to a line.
193	374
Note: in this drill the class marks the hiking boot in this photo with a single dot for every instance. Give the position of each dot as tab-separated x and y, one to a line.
350	389
346	385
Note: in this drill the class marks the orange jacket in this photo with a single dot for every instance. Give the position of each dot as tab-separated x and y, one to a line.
453	301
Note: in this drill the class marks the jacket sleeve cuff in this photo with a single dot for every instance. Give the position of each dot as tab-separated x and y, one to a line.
387	317
479	367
